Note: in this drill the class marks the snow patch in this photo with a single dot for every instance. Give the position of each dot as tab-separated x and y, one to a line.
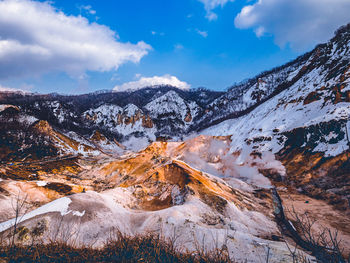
41	183
60	205
77	213
136	144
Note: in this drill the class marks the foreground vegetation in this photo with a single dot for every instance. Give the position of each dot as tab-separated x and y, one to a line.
149	248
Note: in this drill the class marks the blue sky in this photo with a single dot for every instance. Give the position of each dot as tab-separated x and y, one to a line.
203	43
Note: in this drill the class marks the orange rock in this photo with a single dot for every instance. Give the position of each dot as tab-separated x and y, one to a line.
188	117
119	119
313	96
337	97
147	122
347	98
43	126
98	137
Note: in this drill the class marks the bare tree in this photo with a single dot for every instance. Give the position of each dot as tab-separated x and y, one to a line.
324	244
19	207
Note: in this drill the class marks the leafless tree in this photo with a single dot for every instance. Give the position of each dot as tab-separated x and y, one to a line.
19	207
324	244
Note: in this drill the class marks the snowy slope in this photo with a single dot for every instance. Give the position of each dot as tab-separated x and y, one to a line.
242	231
319	99
126	122
306	125
172	114
324	65
171	103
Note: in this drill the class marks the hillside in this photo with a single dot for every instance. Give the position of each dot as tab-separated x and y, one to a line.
306	126
223	170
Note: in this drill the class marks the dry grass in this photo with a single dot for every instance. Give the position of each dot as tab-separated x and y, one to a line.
147	248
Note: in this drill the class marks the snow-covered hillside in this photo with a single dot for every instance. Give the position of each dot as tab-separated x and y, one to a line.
310	93
127	121
306	125
319	97
327	65
264	128
172	114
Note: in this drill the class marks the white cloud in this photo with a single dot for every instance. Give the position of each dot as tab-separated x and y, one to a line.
88	9
259	31
7	89
202	33
157	33
301	23
210	5
35	38
178	46
153	81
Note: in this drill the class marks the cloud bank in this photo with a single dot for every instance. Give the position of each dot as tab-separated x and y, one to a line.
300	23
153	81
35	38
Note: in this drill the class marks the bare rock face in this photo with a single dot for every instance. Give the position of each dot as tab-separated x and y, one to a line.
312	97
91	118
43	127
98	137
319	176
188	117
119	119
147	122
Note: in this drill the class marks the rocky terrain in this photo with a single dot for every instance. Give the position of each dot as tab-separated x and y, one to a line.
208	167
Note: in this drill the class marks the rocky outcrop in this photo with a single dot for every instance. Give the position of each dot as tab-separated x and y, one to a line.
188	117
43	127
97	136
147	122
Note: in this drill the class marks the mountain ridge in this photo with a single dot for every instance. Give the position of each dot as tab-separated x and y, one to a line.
215	106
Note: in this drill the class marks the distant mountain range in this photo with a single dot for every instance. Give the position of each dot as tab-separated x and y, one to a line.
165	112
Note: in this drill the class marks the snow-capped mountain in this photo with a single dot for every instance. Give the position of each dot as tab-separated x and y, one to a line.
156	112
172	113
311	90
125	121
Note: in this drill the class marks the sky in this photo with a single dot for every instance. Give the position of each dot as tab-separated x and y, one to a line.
75	47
